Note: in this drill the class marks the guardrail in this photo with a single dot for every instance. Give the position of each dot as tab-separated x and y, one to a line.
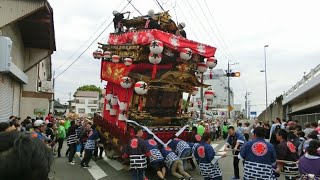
313	73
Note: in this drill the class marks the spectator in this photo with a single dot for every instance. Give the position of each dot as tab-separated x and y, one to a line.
200	129
4	126
308	128
61	136
267	130
310	162
275	126
305	144
50	133
84	136
39	130
72	141
23	157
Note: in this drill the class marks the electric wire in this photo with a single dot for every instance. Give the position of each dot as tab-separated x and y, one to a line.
160	5
89	45
84	43
217	28
212	29
135	7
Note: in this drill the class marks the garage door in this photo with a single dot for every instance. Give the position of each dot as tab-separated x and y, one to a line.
6	97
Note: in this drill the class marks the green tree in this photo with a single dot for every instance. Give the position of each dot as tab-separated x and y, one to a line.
89	88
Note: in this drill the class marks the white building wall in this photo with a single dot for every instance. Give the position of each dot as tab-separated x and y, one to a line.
28	106
86	105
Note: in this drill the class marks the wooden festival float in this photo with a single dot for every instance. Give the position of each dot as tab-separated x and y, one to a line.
147	71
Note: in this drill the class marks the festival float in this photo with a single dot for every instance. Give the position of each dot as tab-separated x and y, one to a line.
147	71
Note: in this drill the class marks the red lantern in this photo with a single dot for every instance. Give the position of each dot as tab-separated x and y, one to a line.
156	47
186	54
97	54
107	54
212	62
115	58
202	67
127	61
126	82
155	58
141	88
209	94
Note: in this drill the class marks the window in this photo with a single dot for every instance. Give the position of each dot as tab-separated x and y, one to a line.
80	101
93	110
81	110
93	102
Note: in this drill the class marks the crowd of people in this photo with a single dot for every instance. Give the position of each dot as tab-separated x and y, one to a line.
289	149
45	137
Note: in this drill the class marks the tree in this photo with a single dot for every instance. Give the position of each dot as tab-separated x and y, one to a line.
88	88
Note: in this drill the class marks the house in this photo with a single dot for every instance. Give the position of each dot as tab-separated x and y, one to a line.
86	102
59	109
27	41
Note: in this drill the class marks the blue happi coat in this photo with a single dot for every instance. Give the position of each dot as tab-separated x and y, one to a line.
232	140
205	155
152	146
180	147
91	142
169	156
258	156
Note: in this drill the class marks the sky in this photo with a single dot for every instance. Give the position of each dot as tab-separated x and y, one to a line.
238	29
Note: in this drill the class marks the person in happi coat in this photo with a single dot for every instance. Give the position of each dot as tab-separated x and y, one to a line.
174	164
90	145
181	31
151	22
207	159
117	21
156	160
193	147
258	156
287	151
309	163
137	151
234	140
195	137
181	148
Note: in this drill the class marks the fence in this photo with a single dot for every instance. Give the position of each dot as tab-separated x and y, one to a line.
306	118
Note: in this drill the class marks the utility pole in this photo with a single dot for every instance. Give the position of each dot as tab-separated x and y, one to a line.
247	104
201	97
53	84
228	91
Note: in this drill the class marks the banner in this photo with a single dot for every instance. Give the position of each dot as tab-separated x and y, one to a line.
172	41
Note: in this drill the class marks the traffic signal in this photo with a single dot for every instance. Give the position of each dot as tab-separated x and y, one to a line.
233	74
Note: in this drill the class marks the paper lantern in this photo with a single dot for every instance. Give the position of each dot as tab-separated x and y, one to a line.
113	112
126	82
97	54
211	62
194	91
114	100
127	61
156	47
155	58
209	94
123	106
107	54
202	67
115	58
141	88
108	101
186	54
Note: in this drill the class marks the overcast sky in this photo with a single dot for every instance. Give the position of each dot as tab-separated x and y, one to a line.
239	30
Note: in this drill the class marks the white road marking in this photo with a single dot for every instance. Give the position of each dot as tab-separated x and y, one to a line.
214	145
95	170
114	163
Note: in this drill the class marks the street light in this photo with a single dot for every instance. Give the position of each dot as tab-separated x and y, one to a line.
266	82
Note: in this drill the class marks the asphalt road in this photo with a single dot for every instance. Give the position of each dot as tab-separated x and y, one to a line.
108	169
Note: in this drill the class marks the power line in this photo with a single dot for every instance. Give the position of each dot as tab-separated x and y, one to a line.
189	25
135	7
217	28
159	5
74	53
204	26
89	45
213	30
